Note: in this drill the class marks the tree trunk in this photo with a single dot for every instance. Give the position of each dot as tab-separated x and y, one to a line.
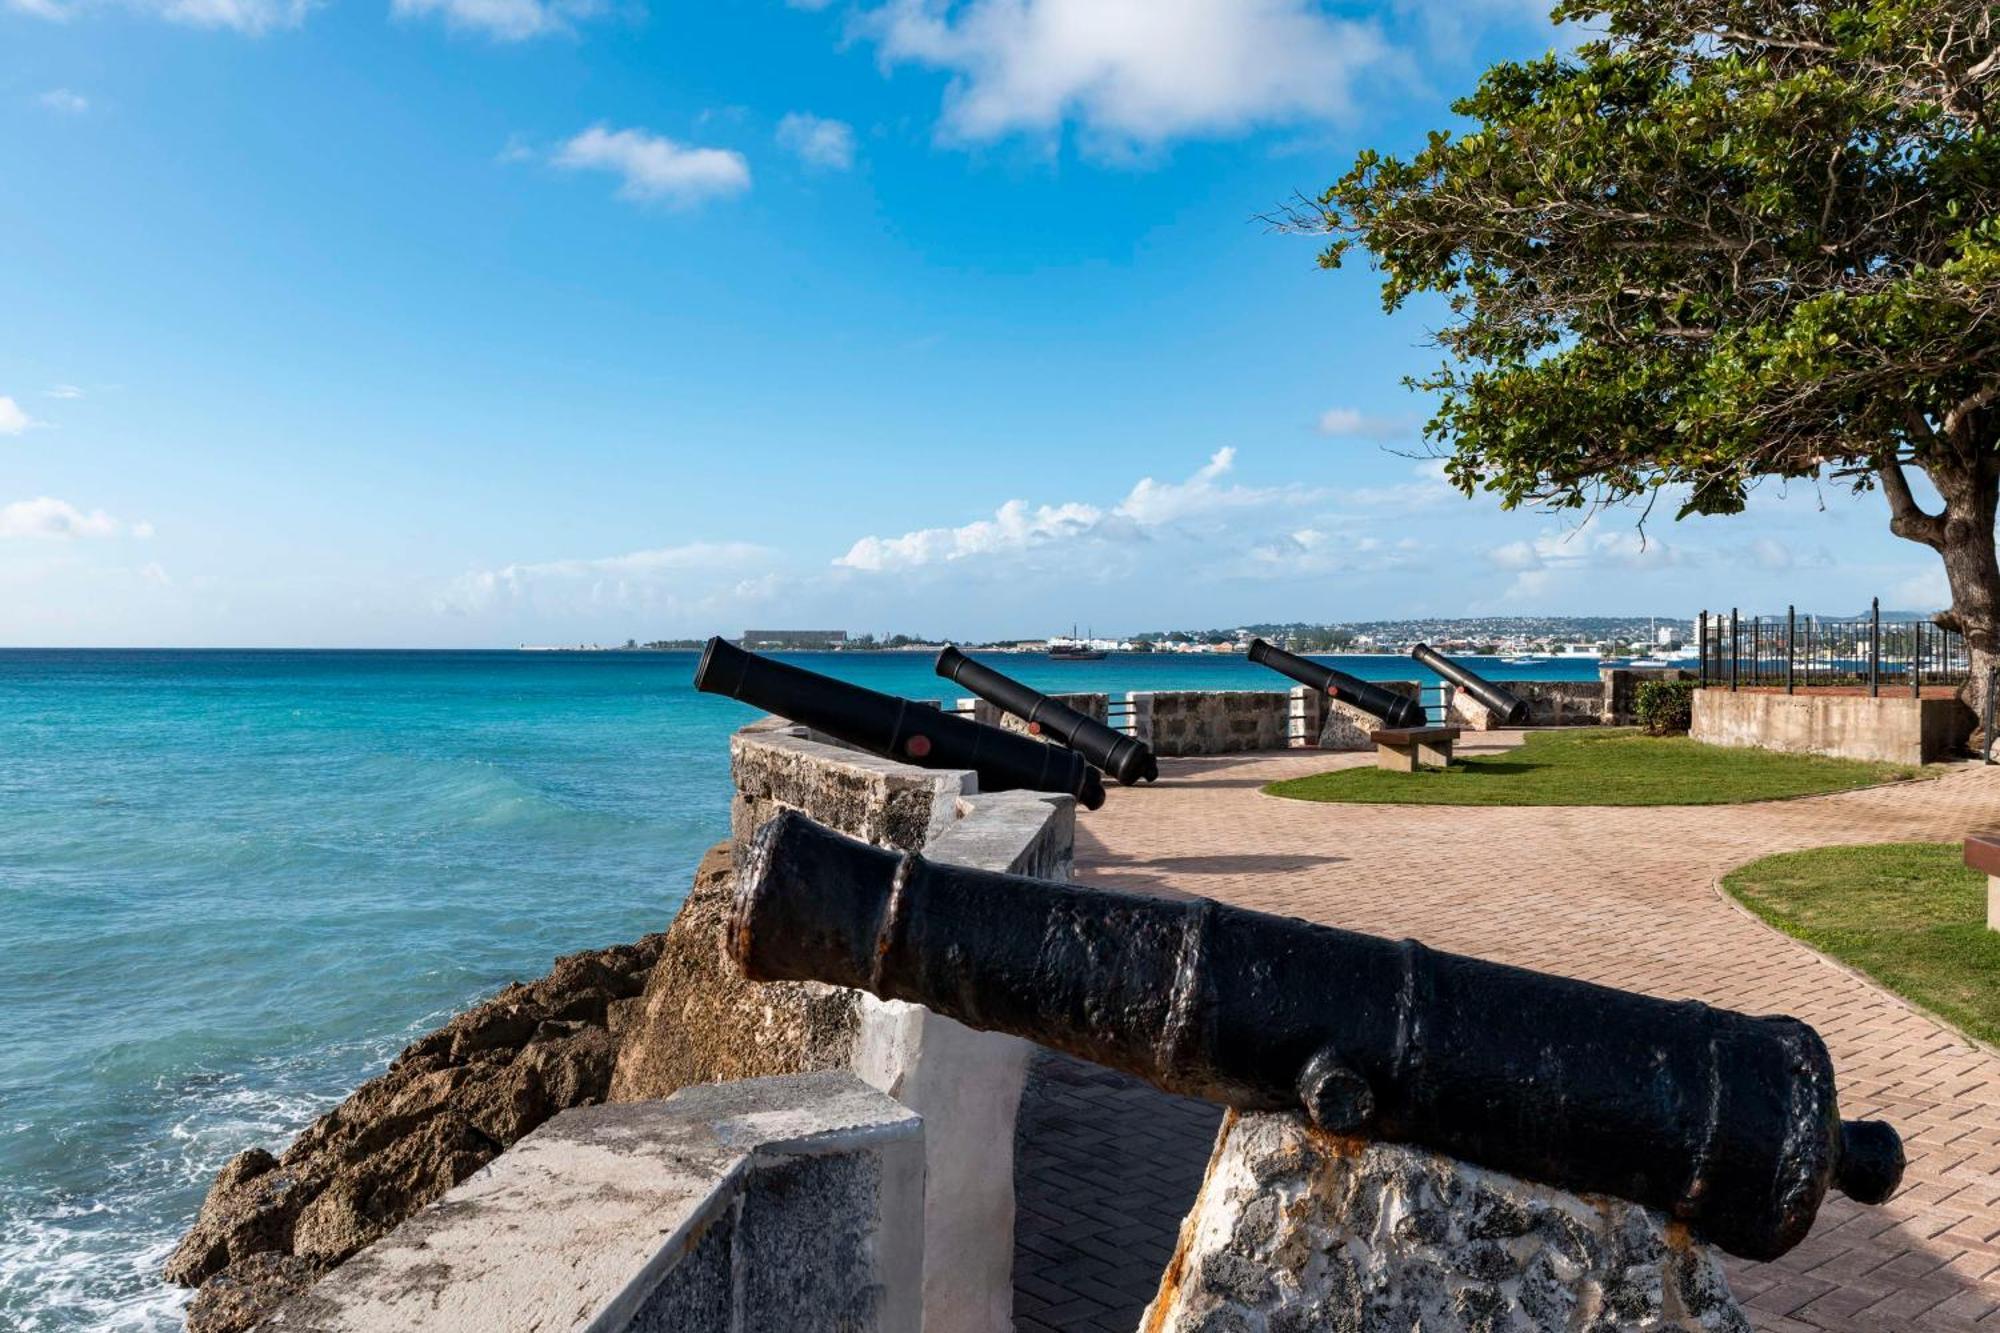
1963	534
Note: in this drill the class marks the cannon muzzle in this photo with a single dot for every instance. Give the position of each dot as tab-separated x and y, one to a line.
1394	709
896	728
1511	709
1124	757
1721	1120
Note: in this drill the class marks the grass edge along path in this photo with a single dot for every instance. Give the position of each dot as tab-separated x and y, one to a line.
1908	915
1601	766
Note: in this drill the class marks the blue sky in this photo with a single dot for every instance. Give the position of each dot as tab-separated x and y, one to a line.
480	322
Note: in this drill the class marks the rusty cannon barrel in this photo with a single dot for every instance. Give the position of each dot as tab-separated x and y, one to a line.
1395	709
1126	758
896	728
1721	1120
1511	709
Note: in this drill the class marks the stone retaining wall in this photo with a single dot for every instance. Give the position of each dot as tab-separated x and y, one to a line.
1893	728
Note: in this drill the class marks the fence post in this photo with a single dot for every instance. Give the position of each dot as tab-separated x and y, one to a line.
1756	650
1701	651
1874	647
1791	643
1735	647
1917	661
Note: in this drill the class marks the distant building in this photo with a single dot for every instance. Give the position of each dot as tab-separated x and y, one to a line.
794	638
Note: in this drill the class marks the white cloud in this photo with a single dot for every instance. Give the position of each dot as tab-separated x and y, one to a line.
1451	28
1429	490
817	141
251	17
672	577
245	16
1924	590
1017	529
51	518
506	20
1131	74
1349	422
1561	557
14	419
65	101
63	391
656	168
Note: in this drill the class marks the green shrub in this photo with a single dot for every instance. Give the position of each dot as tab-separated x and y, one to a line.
1664	706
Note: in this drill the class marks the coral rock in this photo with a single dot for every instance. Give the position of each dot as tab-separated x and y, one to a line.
1297	1230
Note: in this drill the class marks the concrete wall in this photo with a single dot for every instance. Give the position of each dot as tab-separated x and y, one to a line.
965	1084
1896	729
784	1203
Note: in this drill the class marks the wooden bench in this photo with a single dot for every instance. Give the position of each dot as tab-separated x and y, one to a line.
1407	749
1982	853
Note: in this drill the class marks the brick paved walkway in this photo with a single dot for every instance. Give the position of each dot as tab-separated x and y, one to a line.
1619	896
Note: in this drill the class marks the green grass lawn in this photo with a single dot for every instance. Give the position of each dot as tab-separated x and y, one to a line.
1909	914
1600	767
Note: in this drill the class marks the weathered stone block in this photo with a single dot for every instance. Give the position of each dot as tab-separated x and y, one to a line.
862	795
1297	1230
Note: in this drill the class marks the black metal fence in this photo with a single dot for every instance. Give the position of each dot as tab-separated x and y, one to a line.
1797	652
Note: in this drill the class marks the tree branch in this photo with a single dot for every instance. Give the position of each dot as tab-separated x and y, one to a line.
1907	518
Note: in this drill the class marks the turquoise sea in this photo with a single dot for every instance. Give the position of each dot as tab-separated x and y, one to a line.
234	884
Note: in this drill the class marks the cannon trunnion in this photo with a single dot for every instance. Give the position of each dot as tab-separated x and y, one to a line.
1721	1120
1124	757
896	728
1394	709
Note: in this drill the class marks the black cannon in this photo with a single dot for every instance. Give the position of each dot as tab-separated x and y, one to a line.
1124	757
1721	1120
896	728
1395	709
1511	709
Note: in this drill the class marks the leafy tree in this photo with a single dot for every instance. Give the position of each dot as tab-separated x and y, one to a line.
1721	241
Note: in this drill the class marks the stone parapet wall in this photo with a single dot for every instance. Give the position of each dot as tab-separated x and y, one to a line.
1096	707
966	1084
1892	728
1621	687
1551	703
1203	722
778	766
793	1203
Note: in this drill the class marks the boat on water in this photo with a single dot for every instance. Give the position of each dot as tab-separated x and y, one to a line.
1075	649
1519	661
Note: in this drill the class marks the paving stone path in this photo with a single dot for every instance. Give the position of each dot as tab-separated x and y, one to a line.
1624	897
